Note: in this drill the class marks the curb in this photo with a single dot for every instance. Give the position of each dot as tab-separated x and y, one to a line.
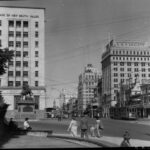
99	143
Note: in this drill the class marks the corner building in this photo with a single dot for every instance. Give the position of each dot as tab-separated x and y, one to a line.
122	62
88	81
23	30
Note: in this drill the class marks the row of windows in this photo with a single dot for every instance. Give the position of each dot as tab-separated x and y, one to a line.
25	54
18	73
130	52
25	63
25	44
129	63
19	23
131	69
18	83
19	34
129	75
130	58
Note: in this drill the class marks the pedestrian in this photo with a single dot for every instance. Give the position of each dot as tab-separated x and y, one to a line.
92	130
126	140
84	125
12	124
27	125
73	126
99	126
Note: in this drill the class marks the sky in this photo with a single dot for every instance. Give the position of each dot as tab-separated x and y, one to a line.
77	31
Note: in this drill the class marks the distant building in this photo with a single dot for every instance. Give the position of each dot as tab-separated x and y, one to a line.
23	30
122	62
88	81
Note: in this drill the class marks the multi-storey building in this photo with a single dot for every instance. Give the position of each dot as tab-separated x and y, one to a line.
22	30
121	63
88	81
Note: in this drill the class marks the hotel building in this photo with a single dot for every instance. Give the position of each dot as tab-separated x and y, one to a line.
122	62
23	30
88	81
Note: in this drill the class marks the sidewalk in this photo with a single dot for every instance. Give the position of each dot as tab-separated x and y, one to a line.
115	140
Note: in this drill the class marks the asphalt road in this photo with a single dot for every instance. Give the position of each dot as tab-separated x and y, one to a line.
112	127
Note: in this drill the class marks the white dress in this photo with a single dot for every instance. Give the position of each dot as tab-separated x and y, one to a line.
73	127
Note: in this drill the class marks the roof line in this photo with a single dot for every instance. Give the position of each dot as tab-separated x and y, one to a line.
24	7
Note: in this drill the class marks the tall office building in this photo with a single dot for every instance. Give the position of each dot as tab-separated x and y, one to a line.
22	30
121	63
88	81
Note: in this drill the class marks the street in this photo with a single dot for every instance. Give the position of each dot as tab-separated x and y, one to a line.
112	127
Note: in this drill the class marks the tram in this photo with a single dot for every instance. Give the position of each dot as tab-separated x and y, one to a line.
126	113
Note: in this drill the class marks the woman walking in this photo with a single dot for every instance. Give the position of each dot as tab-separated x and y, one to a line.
73	126
99	126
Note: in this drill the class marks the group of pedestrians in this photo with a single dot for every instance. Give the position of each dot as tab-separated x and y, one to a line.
95	128
14	126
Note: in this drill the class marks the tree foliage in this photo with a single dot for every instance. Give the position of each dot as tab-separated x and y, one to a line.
26	90
5	56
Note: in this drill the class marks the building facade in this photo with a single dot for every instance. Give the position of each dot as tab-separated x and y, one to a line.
88	81
121	63
23	31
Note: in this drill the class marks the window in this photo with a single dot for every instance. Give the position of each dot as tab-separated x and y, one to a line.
115	74
136	69
25	73
18	43
129	69
121	74
25	82
25	64
18	24
136	64
36	34
36	24
148	64
149	69
36	54
10	73
11	23
0	43
115	80
25	44
142	64
10	83
115	69
25	34
25	24
18	63
143	69
11	44
36	98
121	63
18	73
18	34
128	63
143	75
18	83
115	63
25	54
36	73
121	69
0	32
11	63
36	63
116	85
129	74
36	83
36	44
18	54
11	33
0	22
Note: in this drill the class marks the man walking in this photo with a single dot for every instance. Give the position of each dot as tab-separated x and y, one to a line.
84	126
